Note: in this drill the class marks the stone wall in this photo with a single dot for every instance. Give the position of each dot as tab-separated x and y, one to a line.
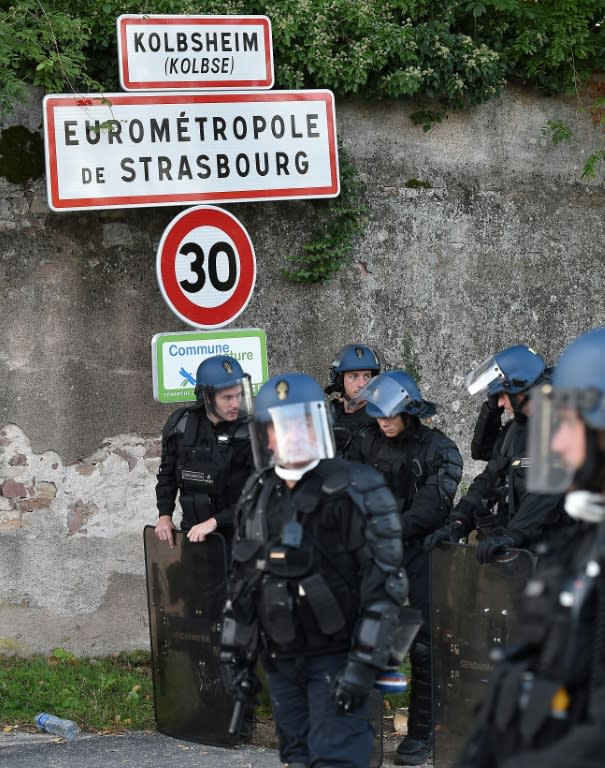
480	234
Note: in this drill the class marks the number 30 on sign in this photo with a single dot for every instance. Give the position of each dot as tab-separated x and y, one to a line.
206	267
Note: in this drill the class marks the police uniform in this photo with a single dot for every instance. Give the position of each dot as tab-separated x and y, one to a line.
498	504
545	707
317	587
347	426
206	463
422	467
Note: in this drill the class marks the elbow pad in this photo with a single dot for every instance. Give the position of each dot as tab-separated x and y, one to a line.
384	634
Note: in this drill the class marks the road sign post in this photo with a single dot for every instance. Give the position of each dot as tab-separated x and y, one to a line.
206	267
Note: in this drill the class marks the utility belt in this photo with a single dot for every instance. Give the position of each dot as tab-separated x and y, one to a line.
310	601
293	599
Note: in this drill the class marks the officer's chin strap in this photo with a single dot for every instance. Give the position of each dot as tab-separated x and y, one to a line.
518	403
295	474
586	506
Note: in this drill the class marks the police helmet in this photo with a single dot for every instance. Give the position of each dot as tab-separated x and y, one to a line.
581	372
221	372
576	395
394	392
353	357
291	425
513	371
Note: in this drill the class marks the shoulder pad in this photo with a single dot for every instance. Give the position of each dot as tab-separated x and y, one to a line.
175	425
242	431
335	473
341	475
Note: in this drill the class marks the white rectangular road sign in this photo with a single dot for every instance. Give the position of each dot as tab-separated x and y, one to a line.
125	150
175	358
162	52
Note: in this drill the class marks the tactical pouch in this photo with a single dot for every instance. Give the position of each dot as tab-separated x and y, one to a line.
278	623
244	550
323	604
288	562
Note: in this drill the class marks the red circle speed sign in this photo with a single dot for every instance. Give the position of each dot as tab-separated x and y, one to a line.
206	267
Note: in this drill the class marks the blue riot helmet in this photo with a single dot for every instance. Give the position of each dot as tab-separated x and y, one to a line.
394	392
224	388
291	426
571	407
513	371
352	357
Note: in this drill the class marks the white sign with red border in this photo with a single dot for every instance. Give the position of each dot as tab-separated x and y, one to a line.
206	267
161	52
127	150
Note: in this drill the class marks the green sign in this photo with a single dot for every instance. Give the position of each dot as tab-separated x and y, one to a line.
176	357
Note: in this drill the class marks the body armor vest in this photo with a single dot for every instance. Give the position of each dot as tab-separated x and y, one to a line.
305	600
205	468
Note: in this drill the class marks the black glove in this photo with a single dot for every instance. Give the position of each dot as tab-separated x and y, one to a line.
449	534
352	688
489	548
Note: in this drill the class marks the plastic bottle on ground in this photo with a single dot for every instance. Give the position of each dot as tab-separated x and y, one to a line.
67	729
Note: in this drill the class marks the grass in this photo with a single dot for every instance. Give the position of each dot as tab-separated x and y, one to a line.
99	694
108	694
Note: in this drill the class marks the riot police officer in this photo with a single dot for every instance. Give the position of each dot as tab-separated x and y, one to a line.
206	453
422	467
498	503
545	707
351	369
318	589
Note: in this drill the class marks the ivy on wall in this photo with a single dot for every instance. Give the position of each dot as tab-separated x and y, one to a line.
341	221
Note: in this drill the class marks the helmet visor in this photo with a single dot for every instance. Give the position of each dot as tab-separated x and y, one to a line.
483	375
555	429
230	403
294	436
389	397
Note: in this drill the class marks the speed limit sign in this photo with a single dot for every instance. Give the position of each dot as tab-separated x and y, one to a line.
206	267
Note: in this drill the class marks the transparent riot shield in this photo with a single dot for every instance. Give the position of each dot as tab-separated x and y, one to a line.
186	594
475	608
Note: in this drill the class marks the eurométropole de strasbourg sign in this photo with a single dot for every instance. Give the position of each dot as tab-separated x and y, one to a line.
126	150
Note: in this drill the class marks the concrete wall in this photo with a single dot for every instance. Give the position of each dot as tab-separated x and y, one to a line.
504	244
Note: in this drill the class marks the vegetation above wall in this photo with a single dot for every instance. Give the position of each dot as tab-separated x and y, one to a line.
459	53
444	55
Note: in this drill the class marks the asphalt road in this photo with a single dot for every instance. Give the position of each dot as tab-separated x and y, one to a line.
132	750
137	749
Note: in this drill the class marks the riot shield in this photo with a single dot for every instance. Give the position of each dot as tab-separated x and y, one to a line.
377	716
186	588
475	608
